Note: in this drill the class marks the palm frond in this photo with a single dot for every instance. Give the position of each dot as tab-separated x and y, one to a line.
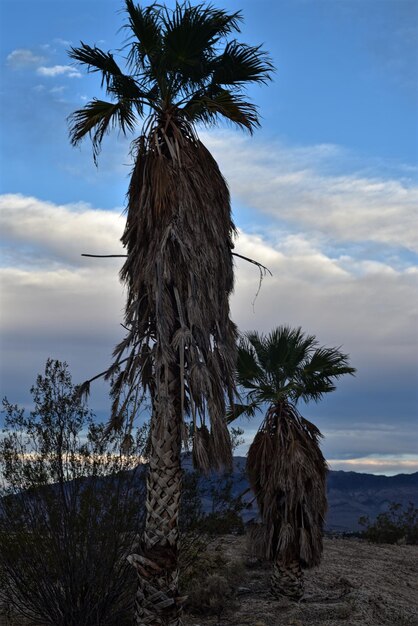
257	341
215	103
330	362
96	61
237	410
126	88
249	372
190	38
317	376
146	40
97	118
192	31
240	63
291	364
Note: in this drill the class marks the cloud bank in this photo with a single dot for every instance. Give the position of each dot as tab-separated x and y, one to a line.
342	250
305	188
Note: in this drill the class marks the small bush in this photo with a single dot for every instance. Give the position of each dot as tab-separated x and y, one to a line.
394	526
224	523
215	593
71	508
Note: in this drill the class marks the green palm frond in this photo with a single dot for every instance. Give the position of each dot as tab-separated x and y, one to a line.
97	118
330	362
241	63
288	364
126	87
96	61
146	39
319	372
191	31
179	66
117	83
249	370
258	345
237	410
222	103
189	43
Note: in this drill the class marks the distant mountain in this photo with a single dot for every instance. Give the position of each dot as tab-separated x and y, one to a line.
350	494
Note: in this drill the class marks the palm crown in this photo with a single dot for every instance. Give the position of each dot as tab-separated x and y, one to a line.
179	64
286	365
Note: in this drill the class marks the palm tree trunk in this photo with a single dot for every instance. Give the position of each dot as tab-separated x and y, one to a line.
157	602
287	579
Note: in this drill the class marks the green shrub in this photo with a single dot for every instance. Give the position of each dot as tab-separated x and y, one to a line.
70	511
394	526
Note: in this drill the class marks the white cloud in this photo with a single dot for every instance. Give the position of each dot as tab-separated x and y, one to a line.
62	42
56	233
23	57
301	187
58	90
50	301
56	303
374	464
370	307
58	70
367	439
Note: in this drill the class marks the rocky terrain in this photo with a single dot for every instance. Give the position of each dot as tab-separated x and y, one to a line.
357	584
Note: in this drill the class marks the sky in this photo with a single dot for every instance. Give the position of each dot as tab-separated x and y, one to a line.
325	194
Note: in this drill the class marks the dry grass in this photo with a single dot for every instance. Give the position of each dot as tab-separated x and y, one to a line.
357	584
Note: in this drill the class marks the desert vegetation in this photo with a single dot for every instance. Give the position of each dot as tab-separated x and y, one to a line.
71	509
396	525
85	539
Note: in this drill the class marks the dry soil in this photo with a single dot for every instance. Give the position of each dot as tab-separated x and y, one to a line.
357	584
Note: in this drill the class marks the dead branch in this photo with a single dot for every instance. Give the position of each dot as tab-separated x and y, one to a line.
246	258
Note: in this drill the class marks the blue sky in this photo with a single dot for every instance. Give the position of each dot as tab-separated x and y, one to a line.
325	194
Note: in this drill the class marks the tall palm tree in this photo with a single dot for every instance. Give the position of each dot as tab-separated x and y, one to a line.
285	465
180	342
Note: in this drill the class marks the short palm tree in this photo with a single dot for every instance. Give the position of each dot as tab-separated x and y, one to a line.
285	465
180	343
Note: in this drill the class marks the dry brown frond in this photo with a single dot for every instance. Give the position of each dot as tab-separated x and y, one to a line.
179	274
287	473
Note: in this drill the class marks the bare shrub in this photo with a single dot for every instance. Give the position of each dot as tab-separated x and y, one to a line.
71	509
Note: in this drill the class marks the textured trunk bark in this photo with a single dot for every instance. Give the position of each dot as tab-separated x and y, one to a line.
287	580
157	602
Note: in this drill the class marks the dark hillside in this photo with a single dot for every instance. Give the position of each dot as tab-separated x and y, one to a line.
350	494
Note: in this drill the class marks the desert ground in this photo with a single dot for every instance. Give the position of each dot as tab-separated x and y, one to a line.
357	584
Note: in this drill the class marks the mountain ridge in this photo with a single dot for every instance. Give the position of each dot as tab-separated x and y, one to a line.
351	495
